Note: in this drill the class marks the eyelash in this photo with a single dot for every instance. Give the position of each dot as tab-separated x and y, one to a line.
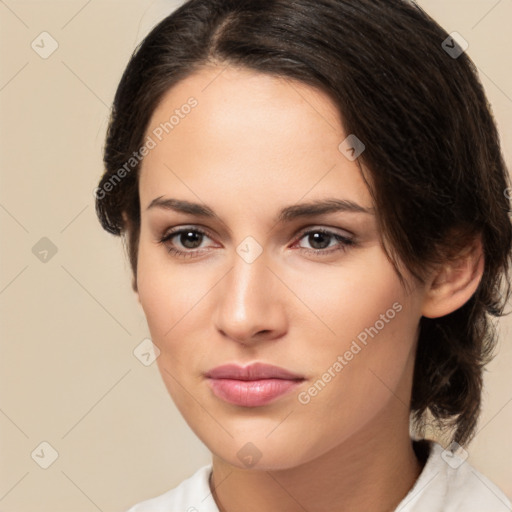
344	242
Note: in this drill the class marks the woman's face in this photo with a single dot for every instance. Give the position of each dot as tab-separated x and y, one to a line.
258	280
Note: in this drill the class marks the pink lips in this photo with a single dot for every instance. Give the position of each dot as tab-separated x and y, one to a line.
251	386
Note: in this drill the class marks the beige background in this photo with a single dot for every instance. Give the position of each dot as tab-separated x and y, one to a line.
68	375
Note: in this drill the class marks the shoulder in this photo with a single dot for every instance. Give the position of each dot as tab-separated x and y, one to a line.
448	483
191	495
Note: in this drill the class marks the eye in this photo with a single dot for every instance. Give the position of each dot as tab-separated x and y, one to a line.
320	239
190	240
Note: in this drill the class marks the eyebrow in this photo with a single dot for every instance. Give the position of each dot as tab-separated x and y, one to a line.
287	214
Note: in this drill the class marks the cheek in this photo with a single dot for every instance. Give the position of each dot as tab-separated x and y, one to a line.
167	293
169	297
174	299
362	294
368	335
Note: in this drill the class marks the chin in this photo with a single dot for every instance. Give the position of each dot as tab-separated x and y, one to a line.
259	452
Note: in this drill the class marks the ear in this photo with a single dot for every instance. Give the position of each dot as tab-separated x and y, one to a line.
455	281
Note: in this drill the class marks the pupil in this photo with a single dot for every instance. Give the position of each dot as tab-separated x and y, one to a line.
317	239
191	235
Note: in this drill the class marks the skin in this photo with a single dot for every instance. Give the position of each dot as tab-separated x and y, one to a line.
254	144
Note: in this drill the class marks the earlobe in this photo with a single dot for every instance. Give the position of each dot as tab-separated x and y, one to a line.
455	282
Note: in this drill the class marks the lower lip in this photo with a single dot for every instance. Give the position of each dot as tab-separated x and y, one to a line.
251	393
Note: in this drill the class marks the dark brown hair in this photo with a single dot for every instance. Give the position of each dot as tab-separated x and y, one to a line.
433	156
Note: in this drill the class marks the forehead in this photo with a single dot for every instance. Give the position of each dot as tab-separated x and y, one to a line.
249	132
222	89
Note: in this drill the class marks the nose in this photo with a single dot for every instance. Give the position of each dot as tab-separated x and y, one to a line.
250	306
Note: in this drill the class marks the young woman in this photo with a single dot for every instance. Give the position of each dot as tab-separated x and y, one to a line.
315	207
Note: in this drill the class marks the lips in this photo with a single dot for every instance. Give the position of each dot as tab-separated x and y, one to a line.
251	386
254	371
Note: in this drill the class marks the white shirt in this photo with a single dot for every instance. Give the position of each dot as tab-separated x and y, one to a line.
446	484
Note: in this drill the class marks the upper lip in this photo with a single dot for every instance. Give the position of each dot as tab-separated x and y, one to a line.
253	371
